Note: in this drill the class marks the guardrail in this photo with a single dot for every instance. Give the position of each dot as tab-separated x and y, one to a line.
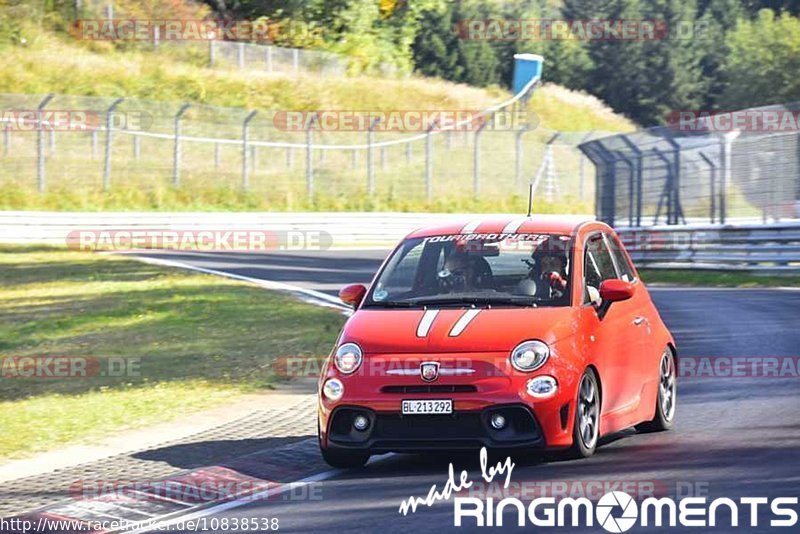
740	247
744	247
346	229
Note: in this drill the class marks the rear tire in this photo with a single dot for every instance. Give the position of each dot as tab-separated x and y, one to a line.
344	459
666	398
586	426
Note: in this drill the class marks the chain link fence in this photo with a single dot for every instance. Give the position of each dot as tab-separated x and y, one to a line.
726	167
204	42
152	146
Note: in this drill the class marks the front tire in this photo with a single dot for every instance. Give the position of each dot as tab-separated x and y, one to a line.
586	427
667	396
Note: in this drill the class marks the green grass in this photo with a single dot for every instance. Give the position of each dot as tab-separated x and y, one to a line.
717	278
199	340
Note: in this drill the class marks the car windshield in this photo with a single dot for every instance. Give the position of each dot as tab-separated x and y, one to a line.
476	269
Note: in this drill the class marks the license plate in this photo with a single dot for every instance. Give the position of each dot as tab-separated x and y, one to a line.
436	407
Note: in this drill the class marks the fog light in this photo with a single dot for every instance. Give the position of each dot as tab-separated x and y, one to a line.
360	423
333	389
542	387
498	422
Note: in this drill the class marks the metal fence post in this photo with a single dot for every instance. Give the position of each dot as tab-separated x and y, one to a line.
429	163
667	185
269	58
354	158
109	135
137	148
370	162
289	157
582	169
245	139
310	157
240	54
476	160
409	152
726	145
6	140
156	36
295	59
176	154
212	52
216	156
712	187
635	193
518	156
40	178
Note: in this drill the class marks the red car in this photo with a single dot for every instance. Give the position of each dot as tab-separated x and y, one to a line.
513	333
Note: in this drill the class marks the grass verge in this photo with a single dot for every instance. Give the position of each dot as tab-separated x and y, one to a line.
187	342
717	278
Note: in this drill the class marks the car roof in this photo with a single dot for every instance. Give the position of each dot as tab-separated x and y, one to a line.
496	224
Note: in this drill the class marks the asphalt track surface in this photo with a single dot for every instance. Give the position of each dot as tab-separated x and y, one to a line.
734	437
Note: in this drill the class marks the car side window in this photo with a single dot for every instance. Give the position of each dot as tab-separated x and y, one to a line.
598	265
624	266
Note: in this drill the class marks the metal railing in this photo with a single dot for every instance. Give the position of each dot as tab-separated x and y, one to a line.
694	171
770	248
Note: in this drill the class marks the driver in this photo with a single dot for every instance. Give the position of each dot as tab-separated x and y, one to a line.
462	271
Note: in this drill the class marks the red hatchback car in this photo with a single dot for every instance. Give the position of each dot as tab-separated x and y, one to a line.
518	333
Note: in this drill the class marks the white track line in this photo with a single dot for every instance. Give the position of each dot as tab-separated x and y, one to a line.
315	297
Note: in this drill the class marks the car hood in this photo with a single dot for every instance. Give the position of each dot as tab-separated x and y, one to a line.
435	331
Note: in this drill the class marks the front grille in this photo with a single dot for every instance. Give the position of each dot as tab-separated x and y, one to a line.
392	431
439	388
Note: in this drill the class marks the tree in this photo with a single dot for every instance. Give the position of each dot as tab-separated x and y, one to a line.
763	61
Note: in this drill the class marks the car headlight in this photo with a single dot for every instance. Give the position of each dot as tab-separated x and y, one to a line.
348	358
529	356
333	389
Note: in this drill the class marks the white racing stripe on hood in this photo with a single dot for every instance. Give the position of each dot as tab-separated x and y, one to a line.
427	321
513	226
470	227
463	322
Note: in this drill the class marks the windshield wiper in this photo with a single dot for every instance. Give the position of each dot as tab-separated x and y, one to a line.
391	304
478	301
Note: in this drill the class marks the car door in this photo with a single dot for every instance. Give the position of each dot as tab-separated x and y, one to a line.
616	338
647	357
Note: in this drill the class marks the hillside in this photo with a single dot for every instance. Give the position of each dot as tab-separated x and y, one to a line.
54	63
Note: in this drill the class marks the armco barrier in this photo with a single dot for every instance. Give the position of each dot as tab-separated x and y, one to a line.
748	247
345	229
744	247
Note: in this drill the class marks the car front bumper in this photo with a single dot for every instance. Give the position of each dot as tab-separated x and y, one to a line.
465	430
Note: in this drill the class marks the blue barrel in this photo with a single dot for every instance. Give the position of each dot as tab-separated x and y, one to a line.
526	67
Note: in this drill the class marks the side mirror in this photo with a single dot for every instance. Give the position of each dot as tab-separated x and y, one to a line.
616	290
353	294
